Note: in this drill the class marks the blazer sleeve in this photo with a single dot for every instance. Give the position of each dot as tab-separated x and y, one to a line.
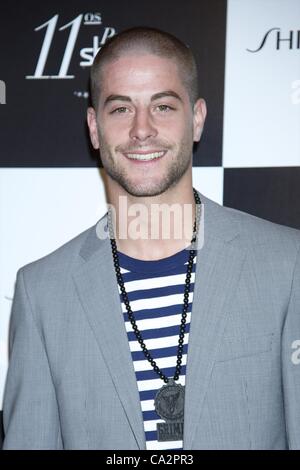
30	411
291	362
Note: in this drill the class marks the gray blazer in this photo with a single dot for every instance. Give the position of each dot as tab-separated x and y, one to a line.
71	382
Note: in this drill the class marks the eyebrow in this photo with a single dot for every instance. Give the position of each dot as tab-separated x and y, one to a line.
162	94
154	97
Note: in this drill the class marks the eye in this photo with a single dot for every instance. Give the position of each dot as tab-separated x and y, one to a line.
164	107
120	110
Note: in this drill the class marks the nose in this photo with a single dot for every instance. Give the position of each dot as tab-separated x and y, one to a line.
142	128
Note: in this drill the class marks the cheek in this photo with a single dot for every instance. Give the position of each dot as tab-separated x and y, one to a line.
111	135
172	127
183	132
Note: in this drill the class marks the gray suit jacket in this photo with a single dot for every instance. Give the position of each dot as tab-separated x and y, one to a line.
71	382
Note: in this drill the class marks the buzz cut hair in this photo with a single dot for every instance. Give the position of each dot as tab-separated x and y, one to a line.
148	40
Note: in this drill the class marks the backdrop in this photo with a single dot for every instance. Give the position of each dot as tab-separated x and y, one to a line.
50	179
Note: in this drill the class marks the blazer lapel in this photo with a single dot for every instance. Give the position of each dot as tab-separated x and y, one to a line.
218	269
98	292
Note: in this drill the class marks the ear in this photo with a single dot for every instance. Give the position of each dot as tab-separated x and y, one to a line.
92	123
199	118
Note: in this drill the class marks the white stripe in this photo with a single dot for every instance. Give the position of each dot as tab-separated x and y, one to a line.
147	405
158	343
155	384
154	445
151	425
156	282
161	322
162	363
156	302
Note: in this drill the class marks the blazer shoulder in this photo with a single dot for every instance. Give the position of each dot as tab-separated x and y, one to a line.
59	261
256	231
253	231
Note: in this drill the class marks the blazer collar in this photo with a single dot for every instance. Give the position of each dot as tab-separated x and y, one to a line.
218	223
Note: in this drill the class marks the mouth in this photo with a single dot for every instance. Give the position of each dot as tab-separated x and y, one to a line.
145	157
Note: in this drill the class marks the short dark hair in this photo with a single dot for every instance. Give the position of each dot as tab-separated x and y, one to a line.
150	40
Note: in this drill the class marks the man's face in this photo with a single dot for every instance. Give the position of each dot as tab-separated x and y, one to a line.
145	125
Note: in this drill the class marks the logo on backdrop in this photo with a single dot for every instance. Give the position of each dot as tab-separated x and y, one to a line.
279	40
295	94
87	54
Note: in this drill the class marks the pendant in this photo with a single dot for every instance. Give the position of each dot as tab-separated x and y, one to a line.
169	405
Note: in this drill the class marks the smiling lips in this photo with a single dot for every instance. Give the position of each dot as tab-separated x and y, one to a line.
145	157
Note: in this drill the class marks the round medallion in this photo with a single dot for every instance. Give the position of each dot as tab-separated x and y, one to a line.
169	401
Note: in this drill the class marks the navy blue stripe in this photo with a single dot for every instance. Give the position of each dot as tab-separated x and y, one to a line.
148	394
159	332
157	292
150	415
157	353
154	266
134	276
150	374
150	313
151	435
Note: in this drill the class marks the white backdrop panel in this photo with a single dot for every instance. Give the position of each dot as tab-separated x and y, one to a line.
262	89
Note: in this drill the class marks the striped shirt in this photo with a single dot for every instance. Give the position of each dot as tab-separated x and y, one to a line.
155	292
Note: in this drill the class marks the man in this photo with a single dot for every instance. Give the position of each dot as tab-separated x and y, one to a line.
150	342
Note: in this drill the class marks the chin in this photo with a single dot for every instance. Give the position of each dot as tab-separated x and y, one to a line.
144	189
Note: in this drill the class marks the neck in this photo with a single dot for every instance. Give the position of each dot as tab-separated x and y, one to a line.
154	227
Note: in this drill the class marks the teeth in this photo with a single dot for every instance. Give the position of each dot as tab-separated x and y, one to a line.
147	156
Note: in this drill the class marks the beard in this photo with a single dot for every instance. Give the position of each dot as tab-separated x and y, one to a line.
176	168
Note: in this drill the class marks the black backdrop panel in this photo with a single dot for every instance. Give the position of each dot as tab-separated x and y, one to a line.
1	429
270	193
43	122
